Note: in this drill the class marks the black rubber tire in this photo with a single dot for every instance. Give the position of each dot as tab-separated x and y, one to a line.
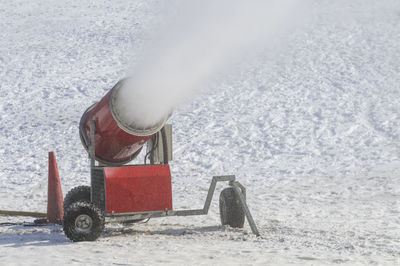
81	193
79	209
230	210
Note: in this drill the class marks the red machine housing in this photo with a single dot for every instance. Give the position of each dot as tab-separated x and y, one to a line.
139	188
116	143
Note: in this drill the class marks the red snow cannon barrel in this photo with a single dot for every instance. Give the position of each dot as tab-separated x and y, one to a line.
116	142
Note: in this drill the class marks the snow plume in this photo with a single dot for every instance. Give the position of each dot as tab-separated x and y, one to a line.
194	41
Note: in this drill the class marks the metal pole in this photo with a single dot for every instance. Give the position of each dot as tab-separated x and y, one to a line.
92	156
92	143
22	213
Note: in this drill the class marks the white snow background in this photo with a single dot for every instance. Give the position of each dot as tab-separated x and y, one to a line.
312	131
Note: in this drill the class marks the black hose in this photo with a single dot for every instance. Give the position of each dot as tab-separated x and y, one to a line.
155	143
165	145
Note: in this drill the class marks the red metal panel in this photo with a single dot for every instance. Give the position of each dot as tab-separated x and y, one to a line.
112	144
138	188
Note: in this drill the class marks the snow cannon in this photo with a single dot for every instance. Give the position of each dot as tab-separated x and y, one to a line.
117	142
135	192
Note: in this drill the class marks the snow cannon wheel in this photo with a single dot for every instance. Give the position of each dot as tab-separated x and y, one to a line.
83	222
230	209
81	193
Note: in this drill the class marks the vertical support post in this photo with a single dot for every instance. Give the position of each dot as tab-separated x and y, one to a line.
237	186
92	143
92	155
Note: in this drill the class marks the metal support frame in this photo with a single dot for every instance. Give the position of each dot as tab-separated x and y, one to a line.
240	191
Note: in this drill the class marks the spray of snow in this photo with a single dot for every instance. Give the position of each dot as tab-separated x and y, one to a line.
197	41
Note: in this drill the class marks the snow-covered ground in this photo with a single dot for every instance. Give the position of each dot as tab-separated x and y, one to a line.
313	132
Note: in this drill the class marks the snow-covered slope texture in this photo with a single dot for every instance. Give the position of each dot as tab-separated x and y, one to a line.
312	130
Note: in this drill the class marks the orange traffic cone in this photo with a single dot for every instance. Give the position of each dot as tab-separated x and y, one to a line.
55	211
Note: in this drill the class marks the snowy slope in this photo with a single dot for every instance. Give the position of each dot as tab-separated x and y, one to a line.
313	131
